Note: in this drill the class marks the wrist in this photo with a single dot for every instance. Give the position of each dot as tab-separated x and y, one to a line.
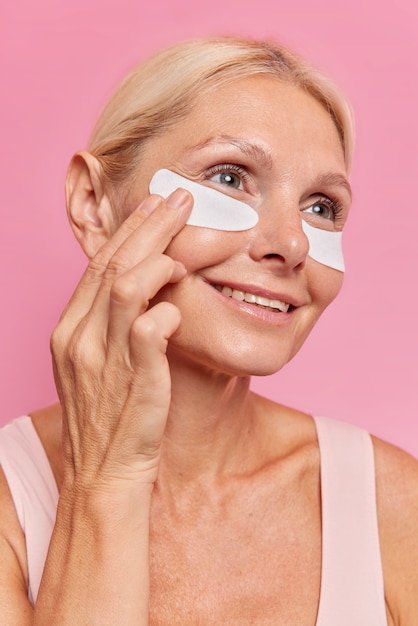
110	504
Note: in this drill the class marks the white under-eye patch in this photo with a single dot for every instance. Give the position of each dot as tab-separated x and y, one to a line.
215	209
211	208
325	246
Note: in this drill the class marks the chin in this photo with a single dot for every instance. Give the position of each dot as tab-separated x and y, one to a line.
243	360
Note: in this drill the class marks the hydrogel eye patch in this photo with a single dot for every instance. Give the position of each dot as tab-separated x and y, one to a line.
211	208
214	209
325	246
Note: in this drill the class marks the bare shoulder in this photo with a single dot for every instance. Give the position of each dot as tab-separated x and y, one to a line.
397	503
15	608
48	425
397	486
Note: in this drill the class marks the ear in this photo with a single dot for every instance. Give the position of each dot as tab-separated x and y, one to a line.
88	206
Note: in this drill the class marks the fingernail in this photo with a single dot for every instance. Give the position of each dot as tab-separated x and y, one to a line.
177	199
150	204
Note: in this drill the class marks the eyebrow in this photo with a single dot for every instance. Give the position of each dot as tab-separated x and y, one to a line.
333	180
252	150
264	159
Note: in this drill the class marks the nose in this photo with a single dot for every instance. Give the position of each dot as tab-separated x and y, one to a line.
278	239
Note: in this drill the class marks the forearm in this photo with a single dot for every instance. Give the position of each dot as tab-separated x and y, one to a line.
97	567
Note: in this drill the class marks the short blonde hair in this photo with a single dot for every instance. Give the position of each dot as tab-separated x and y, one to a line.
160	91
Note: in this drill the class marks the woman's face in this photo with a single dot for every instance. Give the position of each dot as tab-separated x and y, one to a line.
274	147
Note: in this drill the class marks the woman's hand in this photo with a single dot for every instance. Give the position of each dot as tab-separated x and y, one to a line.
112	376
109	352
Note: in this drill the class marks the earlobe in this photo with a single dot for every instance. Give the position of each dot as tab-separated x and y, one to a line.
88	205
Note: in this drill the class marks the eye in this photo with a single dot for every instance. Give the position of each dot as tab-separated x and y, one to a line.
232	176
230	179
323	208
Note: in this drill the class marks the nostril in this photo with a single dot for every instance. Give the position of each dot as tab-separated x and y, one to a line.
300	265
274	256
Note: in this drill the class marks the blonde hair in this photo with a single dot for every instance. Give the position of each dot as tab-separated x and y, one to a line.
160	91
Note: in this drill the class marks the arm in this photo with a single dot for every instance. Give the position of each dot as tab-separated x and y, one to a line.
397	500
15	608
97	567
112	376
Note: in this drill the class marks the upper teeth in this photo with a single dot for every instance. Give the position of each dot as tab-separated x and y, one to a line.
251	297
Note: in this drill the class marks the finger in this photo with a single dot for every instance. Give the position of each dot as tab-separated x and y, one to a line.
150	390
135	243
93	275
154	235
128	226
131	293
149	337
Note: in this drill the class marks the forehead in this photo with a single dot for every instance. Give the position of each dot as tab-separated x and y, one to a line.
261	107
281	103
276	131
283	125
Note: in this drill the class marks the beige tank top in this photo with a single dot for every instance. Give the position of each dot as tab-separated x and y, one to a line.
351	582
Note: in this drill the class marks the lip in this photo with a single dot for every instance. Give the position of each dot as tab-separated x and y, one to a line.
262	314
258	290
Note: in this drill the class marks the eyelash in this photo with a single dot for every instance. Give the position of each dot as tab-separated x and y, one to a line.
334	205
228	167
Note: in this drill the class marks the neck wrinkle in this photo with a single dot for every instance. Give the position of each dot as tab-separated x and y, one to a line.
209	428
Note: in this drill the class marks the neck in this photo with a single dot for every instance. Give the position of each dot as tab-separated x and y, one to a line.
210	428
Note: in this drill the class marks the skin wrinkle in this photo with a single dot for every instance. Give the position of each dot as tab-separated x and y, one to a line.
278	194
251	149
262	156
227	455
235	512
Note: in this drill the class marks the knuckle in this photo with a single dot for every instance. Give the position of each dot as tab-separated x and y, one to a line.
76	351
126	288
159	220
57	341
82	357
164	221
169	311
144	329
116	266
96	267
120	262
60	338
84	344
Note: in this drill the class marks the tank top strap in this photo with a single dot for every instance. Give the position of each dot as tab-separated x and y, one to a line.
33	489
352	590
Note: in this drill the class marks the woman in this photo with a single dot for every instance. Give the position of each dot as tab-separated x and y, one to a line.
180	496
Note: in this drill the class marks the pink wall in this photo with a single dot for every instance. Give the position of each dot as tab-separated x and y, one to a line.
59	62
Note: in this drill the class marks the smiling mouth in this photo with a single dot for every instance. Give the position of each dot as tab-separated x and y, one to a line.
251	298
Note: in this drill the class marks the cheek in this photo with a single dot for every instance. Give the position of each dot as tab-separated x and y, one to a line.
326	284
199	247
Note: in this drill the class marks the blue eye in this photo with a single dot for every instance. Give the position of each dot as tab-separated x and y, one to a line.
232	176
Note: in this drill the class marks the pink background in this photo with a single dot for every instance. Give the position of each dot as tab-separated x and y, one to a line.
59	63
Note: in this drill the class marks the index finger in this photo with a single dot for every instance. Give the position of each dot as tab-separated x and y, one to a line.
129	225
149	229
154	234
